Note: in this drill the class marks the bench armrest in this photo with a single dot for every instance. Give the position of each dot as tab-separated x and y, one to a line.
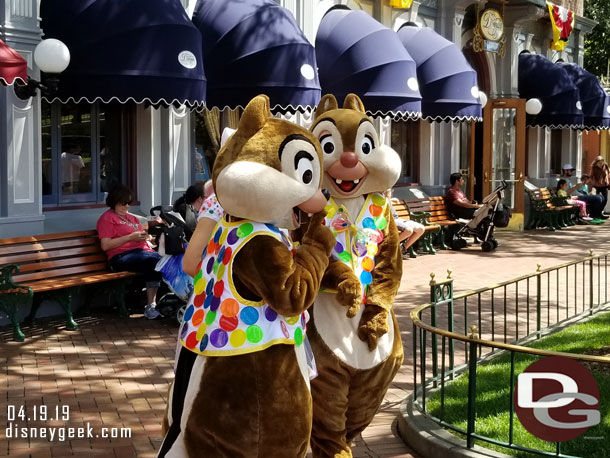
559	201
7	285
421	217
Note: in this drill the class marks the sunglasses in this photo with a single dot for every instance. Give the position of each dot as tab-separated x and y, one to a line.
126	203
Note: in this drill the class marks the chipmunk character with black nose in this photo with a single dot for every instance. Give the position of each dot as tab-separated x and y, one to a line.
242	381
354	333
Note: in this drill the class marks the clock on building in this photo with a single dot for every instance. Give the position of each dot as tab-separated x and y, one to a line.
492	25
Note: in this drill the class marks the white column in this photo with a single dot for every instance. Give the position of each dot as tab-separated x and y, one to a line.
179	151
20	138
149	157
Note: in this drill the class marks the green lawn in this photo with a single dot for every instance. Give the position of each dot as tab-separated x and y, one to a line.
493	390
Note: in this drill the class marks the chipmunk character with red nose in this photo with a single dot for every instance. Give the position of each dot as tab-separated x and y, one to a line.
354	334
242	380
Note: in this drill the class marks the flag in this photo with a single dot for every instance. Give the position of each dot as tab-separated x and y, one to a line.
562	21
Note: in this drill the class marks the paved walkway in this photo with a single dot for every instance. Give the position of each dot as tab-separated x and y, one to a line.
114	373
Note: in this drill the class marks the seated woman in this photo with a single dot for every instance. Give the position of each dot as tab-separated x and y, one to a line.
189	205
125	243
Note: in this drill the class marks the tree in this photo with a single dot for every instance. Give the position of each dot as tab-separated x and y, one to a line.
597	43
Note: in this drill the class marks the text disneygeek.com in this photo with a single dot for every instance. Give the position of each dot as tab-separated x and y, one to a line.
18	428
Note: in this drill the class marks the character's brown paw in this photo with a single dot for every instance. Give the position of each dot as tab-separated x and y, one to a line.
373	325
318	233
349	294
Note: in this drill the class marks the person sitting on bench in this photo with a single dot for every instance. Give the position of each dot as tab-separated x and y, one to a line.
409	231
456	201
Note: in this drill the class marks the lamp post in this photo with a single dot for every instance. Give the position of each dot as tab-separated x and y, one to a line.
52	57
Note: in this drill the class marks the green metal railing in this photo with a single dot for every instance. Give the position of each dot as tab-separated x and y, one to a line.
498	319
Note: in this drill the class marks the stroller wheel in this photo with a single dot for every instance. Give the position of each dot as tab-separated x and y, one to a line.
487	246
180	314
495	243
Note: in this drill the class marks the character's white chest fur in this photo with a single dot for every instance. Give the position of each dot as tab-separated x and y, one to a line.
340	333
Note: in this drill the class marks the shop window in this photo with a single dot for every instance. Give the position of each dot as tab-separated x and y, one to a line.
204	152
556	140
405	139
83	151
208	127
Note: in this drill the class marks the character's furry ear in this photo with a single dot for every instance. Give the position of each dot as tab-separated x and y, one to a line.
353	102
255	115
327	103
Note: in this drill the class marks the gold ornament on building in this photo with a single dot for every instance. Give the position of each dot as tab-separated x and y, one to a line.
489	32
401	3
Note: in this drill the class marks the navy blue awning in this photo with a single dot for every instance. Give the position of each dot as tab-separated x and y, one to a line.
595	101
542	79
255	47
357	54
447	82
139	50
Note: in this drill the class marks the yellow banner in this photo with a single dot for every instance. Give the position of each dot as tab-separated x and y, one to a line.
401	3
562	22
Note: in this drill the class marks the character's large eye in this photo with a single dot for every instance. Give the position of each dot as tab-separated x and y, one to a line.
367	145
327	143
300	160
304	167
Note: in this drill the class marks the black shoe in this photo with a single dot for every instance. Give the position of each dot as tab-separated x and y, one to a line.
604	216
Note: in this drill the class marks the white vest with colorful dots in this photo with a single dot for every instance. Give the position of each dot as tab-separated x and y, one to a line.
357	241
218	321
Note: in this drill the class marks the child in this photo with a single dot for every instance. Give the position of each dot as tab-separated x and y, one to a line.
562	191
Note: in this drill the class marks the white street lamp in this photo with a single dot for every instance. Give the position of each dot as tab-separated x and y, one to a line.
52	57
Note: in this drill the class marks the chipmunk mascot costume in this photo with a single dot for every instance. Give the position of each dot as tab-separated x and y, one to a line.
354	334
242	382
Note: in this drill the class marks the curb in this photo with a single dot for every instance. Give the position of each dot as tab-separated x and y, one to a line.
430	440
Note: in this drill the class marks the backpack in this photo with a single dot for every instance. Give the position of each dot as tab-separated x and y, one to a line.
172	240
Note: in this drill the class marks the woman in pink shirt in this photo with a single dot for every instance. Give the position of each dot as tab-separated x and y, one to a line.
125	242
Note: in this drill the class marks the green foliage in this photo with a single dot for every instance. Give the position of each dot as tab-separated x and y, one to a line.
493	390
597	43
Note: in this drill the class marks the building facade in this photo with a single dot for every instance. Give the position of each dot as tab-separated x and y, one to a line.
58	160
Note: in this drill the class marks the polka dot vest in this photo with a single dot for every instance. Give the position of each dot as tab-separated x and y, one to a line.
357	242
218	321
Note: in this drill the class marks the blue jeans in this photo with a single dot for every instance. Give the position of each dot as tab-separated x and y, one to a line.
140	261
595	204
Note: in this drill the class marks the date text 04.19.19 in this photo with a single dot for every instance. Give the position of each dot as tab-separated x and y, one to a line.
38	413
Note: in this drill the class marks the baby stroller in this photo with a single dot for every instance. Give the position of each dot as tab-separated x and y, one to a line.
171	242
491	215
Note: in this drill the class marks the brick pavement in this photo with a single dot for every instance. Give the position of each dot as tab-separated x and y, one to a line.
114	373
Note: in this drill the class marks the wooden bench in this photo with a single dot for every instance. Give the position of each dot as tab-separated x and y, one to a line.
438	212
403	212
53	266
549	211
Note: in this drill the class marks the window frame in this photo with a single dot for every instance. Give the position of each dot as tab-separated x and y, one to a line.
94	197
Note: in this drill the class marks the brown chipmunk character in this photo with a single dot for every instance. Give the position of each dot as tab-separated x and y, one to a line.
242	379
354	334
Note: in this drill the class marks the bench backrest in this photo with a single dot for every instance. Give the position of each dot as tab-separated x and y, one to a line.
545	194
434	205
401	209
42	257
